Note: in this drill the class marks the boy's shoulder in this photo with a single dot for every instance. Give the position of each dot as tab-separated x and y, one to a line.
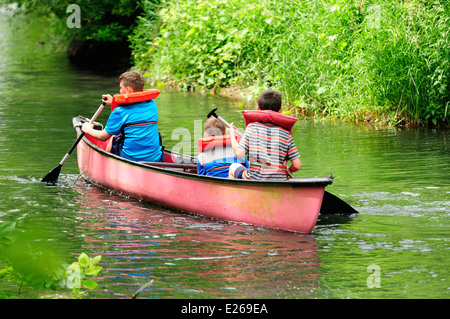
267	126
268	116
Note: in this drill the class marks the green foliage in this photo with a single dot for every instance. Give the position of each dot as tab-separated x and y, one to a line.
30	262
146	28
102	20
408	58
33	262
376	60
345	58
6	229
75	276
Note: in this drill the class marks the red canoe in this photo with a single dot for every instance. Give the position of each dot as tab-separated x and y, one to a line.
292	205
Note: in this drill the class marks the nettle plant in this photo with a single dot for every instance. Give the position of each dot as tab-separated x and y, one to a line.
76	273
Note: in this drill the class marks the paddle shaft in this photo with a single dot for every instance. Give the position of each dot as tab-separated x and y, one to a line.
52	176
99	110
221	119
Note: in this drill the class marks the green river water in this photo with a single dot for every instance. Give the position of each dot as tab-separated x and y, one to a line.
397	179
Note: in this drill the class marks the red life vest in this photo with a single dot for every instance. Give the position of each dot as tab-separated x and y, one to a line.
134	97
211	141
268	116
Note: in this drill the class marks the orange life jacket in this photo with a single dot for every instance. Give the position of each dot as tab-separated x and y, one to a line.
268	116
211	141
134	97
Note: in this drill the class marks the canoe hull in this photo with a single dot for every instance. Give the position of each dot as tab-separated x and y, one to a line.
292	206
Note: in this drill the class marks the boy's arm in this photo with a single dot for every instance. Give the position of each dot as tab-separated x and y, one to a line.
239	152
296	164
88	128
293	156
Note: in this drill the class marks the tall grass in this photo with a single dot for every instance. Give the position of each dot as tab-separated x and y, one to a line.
364	60
408	59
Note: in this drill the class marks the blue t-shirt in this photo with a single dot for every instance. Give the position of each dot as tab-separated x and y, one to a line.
217	161
141	141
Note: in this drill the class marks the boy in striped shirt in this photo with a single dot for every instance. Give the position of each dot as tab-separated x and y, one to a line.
269	146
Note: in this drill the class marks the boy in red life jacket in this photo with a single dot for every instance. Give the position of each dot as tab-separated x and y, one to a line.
135	117
216	154
267	142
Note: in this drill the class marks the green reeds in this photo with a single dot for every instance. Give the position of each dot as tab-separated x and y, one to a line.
409	58
363	60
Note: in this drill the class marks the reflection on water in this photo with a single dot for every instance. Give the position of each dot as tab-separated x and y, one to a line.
188	256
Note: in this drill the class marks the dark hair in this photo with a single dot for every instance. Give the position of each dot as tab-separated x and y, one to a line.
270	100
132	79
214	127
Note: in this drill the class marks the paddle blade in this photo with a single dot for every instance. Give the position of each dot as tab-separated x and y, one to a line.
52	176
334	205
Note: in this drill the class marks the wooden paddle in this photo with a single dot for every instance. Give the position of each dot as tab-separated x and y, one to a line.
331	204
52	176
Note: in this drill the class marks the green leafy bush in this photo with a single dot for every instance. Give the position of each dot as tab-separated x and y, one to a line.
372	60
76	273
407	58
101	20
29	262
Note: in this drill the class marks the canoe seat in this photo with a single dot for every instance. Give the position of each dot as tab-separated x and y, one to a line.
188	168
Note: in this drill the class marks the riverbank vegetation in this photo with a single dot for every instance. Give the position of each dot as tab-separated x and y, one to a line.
363	60
105	20
88	29
31	266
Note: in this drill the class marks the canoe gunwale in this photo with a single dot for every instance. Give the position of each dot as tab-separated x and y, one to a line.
169	169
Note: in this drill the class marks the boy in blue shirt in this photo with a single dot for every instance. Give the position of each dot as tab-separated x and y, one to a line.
137	121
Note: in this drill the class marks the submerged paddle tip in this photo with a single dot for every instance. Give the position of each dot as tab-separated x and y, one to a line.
52	176
49	180
332	205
